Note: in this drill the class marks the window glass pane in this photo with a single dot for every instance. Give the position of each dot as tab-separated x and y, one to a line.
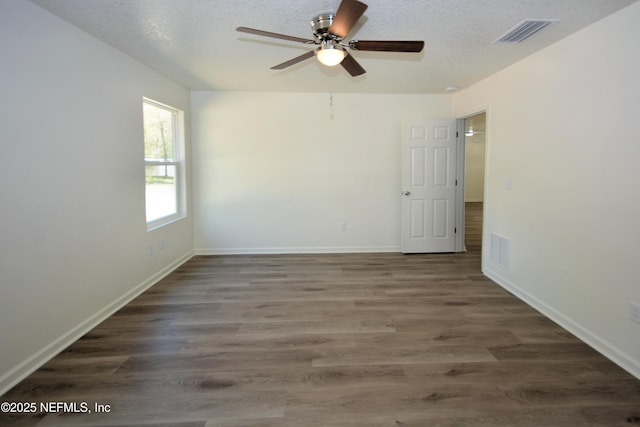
163	154
158	133
160	191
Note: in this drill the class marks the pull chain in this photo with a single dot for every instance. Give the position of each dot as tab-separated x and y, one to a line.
330	106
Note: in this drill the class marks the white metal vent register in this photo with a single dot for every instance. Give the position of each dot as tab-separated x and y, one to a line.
500	250
524	30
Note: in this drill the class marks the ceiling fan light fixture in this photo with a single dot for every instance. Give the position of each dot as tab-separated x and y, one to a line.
329	54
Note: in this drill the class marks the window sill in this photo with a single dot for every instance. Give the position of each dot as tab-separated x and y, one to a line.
163	222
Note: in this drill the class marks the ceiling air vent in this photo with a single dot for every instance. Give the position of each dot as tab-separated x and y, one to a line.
524	30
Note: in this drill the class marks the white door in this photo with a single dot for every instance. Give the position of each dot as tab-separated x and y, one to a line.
428	185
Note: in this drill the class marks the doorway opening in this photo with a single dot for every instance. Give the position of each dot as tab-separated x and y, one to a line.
475	128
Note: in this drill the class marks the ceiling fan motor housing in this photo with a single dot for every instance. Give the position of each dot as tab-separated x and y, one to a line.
320	26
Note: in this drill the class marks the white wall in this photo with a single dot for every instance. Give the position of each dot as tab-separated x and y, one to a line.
72	221
278	172
562	125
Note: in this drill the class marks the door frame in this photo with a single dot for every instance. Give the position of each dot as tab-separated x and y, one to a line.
460	176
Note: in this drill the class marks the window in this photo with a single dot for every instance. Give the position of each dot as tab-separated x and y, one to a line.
164	165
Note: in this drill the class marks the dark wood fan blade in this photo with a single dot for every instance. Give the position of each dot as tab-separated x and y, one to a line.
347	15
388	45
274	35
294	61
351	65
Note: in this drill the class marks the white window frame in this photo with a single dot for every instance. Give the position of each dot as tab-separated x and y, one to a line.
178	162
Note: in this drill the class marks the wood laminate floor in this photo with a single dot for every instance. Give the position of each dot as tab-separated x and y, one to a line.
331	340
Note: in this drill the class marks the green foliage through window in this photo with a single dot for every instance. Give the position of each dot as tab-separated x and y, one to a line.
162	140
158	133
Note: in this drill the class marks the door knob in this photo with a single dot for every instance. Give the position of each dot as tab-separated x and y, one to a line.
407	193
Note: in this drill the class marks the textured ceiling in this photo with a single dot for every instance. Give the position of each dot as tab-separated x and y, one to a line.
195	42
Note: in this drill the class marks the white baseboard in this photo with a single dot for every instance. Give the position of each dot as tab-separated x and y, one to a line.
20	372
599	344
296	250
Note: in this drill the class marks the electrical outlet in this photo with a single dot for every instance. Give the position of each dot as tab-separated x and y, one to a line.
342	226
634	312
508	184
161	244
149	249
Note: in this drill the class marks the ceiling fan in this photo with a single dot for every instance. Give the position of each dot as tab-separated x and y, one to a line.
329	30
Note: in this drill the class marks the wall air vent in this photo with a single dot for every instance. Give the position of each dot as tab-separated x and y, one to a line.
524	30
500	250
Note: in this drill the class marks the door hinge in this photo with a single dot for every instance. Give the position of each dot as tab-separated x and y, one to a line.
456	182
455	230
456	134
